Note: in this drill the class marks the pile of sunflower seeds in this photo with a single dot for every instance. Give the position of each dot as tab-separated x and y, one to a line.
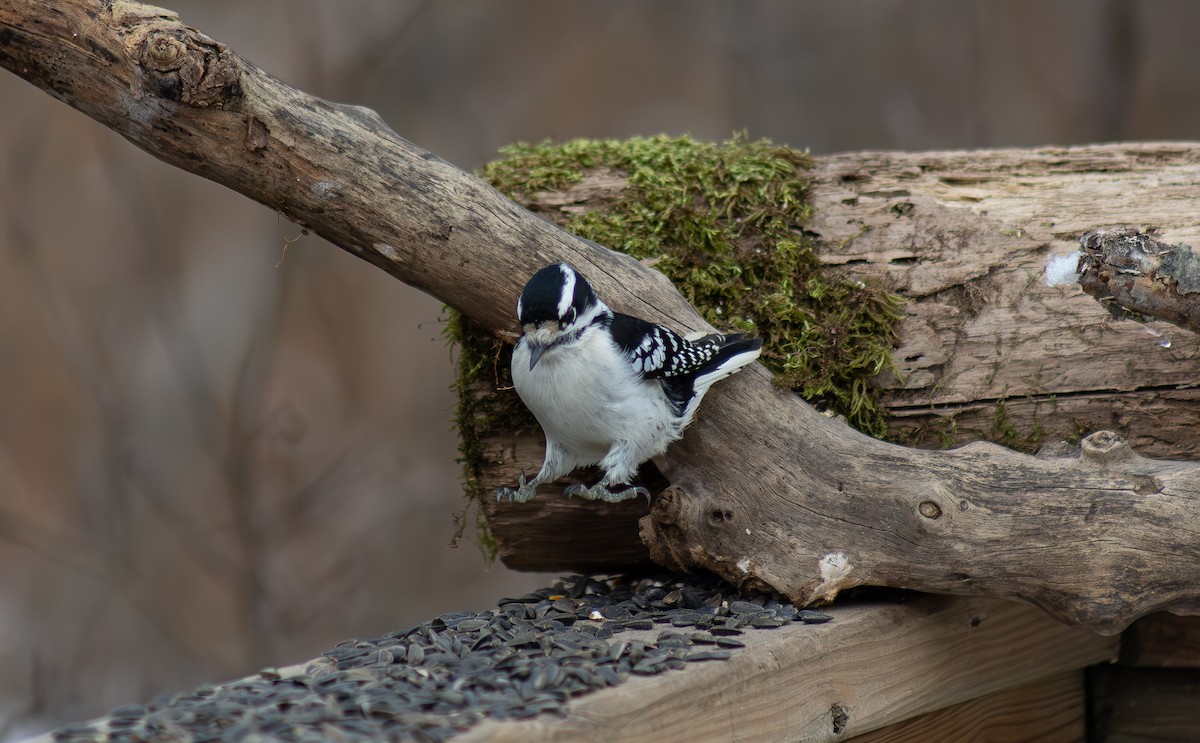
527	657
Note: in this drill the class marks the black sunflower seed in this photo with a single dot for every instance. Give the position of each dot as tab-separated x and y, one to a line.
526	657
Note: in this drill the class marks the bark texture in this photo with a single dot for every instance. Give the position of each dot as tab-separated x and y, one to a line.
1143	278
764	490
989	350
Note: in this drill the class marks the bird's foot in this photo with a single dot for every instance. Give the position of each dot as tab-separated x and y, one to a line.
524	492
599	492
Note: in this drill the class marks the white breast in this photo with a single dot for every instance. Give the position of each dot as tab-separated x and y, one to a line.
587	397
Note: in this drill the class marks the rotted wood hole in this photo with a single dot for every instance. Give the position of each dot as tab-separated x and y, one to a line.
720	516
840	716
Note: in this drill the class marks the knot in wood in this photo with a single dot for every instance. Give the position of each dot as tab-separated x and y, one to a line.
1122	248
1146	484
667	541
665	510
929	509
185	66
163	52
1105	447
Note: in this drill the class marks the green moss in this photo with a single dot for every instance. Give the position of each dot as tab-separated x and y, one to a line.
725	223
486	405
1007	435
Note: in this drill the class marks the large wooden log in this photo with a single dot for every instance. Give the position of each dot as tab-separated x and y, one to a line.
763	490
988	351
965	236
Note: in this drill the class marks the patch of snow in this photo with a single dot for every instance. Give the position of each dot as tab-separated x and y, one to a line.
1063	269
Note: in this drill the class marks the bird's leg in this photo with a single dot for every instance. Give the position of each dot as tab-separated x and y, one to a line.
600	491
620	465
525	490
553	468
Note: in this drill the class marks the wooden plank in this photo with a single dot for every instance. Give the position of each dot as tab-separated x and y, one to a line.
1162	640
873	666
1145	704
1050	711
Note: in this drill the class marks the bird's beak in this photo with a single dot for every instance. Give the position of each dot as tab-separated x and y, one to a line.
535	353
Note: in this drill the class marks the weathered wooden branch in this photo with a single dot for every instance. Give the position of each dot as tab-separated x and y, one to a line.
764	490
1141	275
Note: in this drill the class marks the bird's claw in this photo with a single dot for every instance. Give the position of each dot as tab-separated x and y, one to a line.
524	492
599	492
634	492
527	489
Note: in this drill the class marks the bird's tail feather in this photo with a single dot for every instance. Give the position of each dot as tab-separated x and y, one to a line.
736	351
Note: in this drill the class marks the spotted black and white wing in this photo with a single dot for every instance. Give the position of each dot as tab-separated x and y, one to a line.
655	351
685	368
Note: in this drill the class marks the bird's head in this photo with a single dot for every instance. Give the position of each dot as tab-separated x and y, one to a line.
556	306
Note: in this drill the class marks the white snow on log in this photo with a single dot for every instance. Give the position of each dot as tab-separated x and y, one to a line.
1063	269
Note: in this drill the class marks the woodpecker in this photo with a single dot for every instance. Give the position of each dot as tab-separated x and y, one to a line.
608	389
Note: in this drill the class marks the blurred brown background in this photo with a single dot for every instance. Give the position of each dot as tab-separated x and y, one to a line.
222	449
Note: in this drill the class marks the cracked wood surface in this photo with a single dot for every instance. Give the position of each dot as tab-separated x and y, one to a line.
764	490
965	236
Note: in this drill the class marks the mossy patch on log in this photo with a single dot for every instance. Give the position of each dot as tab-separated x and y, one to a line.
725	222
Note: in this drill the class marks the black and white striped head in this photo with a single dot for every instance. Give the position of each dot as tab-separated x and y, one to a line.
555	307
557	295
